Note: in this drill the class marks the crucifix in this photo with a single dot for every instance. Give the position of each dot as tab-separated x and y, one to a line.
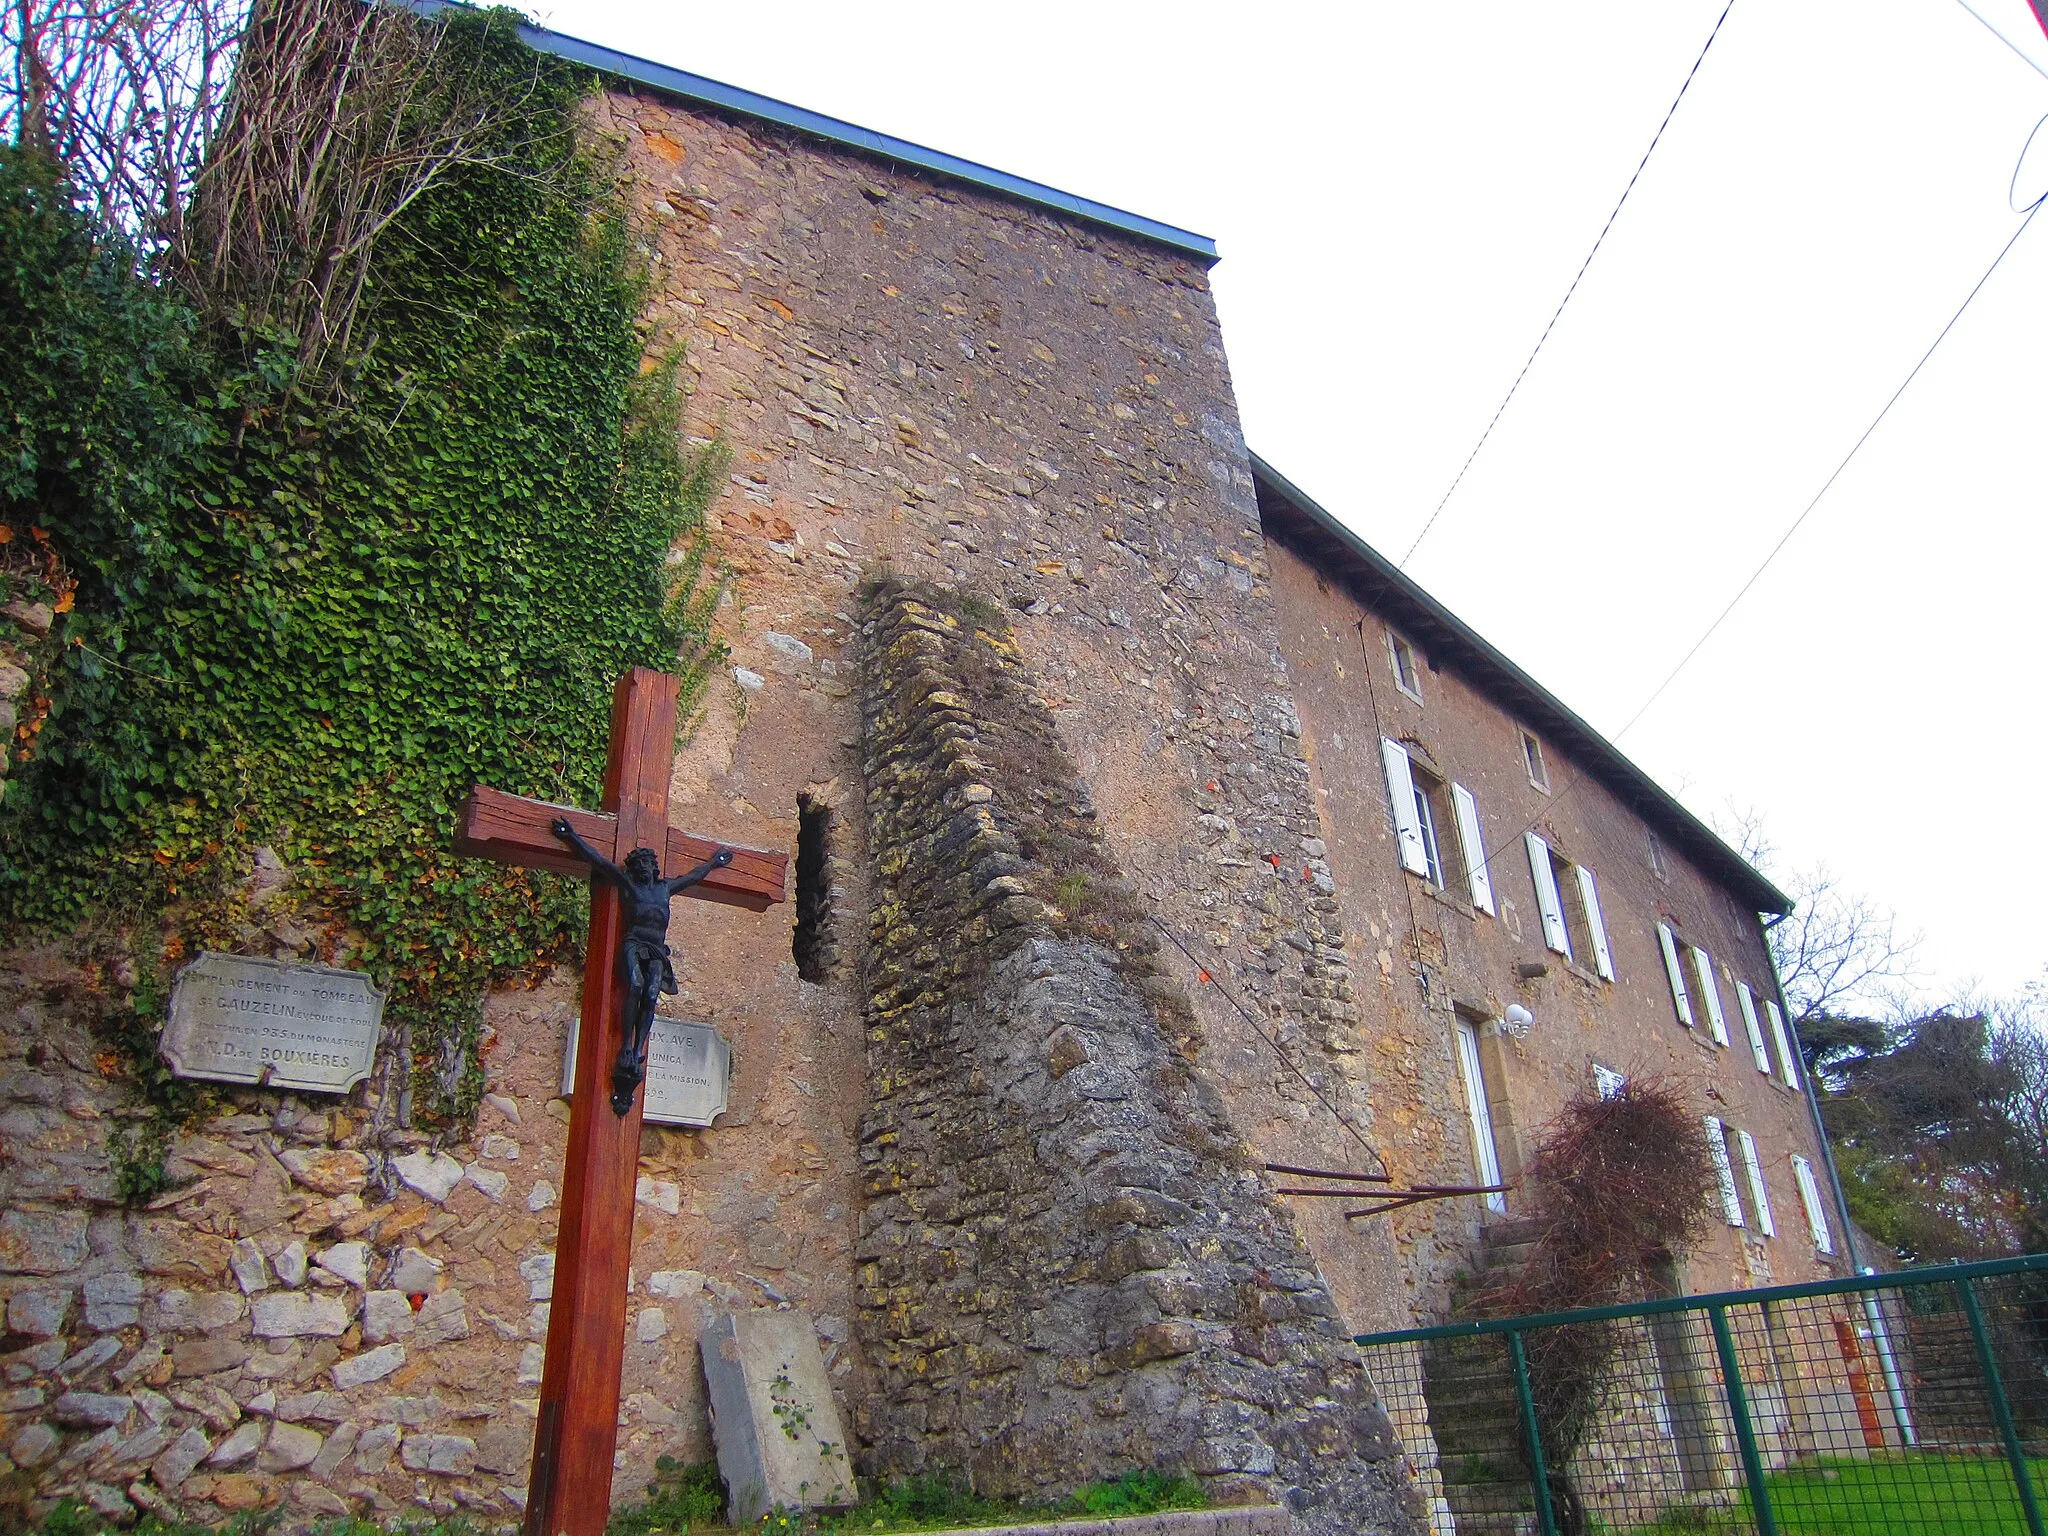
624	848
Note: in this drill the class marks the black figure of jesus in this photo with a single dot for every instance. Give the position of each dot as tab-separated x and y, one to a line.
643	956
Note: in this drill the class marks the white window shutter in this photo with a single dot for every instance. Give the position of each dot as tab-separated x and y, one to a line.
1759	1196
1788	1060
1749	1023
1401	792
1679	1000
1603	958
1717	1144
1703	968
1809	1196
1466	809
1547	900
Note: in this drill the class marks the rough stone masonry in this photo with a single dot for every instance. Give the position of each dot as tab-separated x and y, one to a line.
1068	1265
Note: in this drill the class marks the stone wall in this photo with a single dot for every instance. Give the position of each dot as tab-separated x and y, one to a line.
328	1312
1069	1266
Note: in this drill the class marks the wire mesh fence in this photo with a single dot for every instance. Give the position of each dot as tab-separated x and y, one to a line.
1913	1402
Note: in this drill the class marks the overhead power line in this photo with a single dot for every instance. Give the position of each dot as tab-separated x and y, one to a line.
1855	448
1574	288
1502	845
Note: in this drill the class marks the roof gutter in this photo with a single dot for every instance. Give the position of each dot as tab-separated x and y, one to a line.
731	98
1446	634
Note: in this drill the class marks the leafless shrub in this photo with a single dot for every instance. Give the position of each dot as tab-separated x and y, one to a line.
256	154
126	94
1618	1185
342	115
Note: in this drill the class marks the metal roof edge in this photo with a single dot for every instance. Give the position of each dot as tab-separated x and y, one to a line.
733	98
1534	702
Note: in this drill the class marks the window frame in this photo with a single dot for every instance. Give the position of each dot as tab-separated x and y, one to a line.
1407	666
1534	763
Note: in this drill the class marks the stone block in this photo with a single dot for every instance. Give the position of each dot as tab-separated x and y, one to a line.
387	1315
252	1270
443	1455
441	1317
205	1356
289	1447
239	1446
489	1180
178	1459
371	1365
100	1409
432	1175
34	1446
165	1246
374	1448
112	1300
539	1274
290	1264
675	1284
39	1314
349	1262
196	1311
651	1326
36	1242
774	1423
295	1314
316	1500
340	1441
417	1273
20	1400
322	1407
90	1358
327	1171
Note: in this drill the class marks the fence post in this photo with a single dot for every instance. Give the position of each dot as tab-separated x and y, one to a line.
1745	1432
2001	1409
1532	1438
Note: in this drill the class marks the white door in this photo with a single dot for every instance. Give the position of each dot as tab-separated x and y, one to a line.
1483	1152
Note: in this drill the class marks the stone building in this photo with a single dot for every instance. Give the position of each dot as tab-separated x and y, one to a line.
1082	725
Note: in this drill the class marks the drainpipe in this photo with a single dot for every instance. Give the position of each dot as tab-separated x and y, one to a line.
1820	1130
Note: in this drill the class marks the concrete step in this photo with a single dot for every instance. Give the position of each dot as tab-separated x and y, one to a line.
1512	1229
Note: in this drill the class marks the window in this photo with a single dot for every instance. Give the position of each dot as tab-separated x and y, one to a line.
1569	900
1607	1083
1407	677
1710	994
1425	818
1759	1197
1724	1171
811	944
1532	759
1788	1060
1428	811
1657	859
1485	1153
1668	942
1809	1196
1752	1028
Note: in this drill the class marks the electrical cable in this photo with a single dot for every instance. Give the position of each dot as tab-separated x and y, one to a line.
1574	288
1287	1061
1786	538
1557	799
2015	47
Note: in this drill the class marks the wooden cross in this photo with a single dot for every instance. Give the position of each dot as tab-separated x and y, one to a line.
569	1489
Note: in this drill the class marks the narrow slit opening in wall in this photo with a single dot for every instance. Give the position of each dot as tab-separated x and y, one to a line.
813	889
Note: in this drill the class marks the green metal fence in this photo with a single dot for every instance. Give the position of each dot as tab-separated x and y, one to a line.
1912	1402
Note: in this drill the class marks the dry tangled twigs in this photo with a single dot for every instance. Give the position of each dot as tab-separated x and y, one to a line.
255	154
1620	1184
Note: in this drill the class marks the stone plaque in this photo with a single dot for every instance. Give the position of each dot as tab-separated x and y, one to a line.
237	1019
689	1069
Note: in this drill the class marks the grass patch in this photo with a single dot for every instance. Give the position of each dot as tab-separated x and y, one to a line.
692	1499
1880	1496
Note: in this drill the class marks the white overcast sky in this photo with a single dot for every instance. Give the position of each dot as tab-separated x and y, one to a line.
1401	194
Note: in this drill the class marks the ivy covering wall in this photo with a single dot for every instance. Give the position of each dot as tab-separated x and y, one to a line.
309	615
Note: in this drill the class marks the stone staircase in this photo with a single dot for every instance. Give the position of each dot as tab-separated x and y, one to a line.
1469	1386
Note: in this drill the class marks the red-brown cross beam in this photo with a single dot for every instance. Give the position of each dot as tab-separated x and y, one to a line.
569	1489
